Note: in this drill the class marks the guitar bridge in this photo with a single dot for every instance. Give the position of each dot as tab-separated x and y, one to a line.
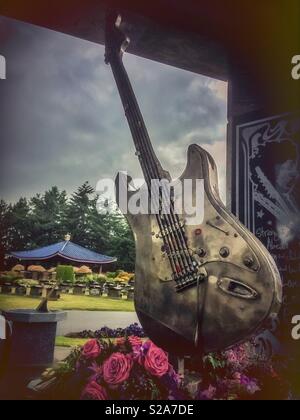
189	280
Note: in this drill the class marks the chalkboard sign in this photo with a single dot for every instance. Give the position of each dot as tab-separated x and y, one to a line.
266	198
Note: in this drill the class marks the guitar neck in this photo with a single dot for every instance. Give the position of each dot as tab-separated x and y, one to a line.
150	164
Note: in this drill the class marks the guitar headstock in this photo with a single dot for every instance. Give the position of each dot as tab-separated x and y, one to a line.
116	41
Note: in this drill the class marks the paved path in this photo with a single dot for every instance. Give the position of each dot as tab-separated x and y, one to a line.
61	353
78	321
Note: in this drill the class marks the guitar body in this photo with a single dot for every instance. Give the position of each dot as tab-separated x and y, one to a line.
200	286
214	314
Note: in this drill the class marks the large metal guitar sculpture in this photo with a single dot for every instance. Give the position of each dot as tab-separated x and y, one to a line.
198	288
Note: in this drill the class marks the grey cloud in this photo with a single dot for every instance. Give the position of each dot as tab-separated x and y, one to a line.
61	120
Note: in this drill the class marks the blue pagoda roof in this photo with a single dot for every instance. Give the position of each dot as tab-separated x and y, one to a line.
65	249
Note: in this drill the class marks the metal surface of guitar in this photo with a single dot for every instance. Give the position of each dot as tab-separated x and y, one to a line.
201	287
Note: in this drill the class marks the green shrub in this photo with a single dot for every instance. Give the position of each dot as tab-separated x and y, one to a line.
111	274
82	280
27	283
8	278
102	278
65	273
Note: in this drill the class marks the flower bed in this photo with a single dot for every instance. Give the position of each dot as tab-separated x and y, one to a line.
237	374
128	369
106	332
134	369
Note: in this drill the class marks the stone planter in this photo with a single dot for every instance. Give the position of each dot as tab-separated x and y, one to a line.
65	288
95	291
130	294
31	349
20	290
114	293
79	289
124	293
55	295
6	288
36	291
28	327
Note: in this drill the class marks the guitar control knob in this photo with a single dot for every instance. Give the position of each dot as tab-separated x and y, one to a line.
201	252
224	252
249	262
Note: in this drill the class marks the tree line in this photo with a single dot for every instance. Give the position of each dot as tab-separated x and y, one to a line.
46	218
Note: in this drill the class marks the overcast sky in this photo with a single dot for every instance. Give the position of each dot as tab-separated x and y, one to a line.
61	120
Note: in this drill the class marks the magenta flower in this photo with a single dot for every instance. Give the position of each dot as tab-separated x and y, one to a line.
135	341
208	394
91	350
94	391
156	361
116	369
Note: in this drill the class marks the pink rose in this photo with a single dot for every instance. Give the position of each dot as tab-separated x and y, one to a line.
93	391
156	360
116	369
91	350
135	341
237	376
231	356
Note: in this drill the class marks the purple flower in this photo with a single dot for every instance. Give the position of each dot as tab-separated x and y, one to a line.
208	394
249	384
97	371
173	375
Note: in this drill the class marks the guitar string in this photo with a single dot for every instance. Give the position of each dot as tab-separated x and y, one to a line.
138	122
180	239
134	135
146	141
171	220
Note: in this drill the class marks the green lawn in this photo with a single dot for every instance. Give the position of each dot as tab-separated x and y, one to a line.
67	303
70	342
73	342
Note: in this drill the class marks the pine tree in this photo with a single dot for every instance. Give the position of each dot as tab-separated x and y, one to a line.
47	217
5	223
121	243
78	214
20	230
